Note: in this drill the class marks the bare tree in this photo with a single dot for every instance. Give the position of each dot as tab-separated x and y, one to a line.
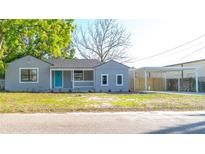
103	40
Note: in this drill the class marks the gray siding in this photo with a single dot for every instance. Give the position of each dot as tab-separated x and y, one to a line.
12	75
88	75
111	68
67	79
86	84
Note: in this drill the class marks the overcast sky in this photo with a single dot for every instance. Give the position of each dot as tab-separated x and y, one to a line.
150	37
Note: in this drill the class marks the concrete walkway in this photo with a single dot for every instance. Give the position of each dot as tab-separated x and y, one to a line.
120	122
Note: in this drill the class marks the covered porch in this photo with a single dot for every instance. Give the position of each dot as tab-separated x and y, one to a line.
71	79
178	79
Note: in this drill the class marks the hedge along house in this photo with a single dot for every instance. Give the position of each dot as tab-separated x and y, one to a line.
179	79
31	74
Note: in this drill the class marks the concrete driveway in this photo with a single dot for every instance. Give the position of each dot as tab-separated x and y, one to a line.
120	122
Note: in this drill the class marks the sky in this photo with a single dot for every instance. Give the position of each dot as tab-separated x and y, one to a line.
153	36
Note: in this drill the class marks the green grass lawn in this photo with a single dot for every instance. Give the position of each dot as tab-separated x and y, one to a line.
67	102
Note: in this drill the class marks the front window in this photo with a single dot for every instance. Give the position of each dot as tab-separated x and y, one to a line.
29	75
119	79
104	79
78	75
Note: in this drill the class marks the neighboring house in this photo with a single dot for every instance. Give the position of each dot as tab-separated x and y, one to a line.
31	74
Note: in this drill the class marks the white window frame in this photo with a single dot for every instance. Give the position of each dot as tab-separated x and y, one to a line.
82	75
116	79
102	80
21	68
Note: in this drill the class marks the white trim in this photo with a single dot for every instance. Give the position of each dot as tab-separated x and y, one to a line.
84	81
134	74
116	79
28	68
50	79
55	80
67	69
62	79
165	69
107	80
165	80
73	80
94	79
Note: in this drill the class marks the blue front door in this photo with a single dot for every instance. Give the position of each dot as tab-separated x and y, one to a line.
58	79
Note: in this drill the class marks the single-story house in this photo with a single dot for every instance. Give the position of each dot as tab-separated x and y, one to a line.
32	74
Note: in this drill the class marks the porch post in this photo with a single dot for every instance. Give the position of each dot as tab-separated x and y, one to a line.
197	80
165	79
94	79
178	84
145	80
134	80
50	79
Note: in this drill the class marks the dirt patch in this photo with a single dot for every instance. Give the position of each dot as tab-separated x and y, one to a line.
103	105
104	100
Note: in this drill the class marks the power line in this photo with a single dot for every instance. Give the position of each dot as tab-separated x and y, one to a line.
187	48
193	46
192	52
166	51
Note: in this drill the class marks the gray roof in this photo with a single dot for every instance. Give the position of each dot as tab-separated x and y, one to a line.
75	63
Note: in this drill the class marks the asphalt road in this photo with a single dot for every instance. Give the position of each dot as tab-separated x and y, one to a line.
120	122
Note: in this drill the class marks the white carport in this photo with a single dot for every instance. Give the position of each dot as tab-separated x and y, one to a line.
162	78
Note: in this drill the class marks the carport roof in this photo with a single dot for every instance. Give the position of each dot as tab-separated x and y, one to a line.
164	69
